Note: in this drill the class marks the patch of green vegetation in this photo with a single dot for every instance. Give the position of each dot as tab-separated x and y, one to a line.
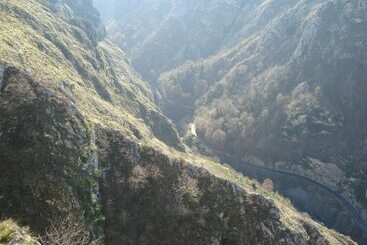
9	231
87	192
6	231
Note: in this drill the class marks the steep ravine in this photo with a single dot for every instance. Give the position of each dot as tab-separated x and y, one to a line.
330	207
55	164
81	139
282	83
290	96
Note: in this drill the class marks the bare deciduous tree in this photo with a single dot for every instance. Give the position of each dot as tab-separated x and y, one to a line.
66	231
187	188
268	185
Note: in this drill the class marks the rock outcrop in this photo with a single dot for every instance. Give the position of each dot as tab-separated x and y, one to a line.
83	14
149	198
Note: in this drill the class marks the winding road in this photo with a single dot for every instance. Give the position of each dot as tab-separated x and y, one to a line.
349	206
357	217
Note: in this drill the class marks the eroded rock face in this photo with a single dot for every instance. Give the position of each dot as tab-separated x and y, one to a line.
151	199
2	67
92	21
84	15
43	139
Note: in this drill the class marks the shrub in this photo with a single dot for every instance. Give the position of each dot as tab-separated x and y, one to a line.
66	231
6	231
268	185
138	178
140	175
187	190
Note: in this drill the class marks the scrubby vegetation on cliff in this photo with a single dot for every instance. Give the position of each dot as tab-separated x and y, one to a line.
12	233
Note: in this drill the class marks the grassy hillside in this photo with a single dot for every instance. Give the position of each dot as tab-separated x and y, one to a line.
62	56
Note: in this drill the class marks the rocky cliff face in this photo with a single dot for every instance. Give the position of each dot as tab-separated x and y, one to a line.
82	14
84	10
81	137
43	139
149	198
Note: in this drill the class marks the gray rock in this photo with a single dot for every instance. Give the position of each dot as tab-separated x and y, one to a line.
2	68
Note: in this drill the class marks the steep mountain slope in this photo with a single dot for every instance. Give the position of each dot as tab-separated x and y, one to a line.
159	35
81	139
291	95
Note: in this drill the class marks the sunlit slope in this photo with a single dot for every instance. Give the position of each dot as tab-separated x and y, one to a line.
61	55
